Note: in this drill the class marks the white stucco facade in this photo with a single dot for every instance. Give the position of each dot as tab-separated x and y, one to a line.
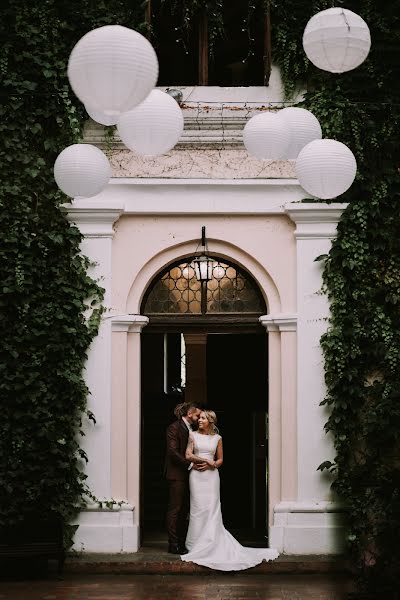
148	218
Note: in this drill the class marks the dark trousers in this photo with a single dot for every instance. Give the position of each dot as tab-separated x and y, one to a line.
178	512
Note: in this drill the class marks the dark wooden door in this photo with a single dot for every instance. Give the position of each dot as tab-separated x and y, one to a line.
157	414
237	391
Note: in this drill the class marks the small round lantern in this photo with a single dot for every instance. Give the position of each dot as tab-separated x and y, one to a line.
112	69
154	127
304	128
266	136
82	170
326	168
336	40
101	118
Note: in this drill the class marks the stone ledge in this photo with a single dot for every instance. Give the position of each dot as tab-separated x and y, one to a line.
146	561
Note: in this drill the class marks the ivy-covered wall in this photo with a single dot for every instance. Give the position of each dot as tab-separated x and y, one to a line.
362	278
45	289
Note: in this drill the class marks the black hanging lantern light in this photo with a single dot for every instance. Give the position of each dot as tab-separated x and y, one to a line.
203	264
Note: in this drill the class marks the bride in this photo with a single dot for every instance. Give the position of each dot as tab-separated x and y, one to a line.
208	542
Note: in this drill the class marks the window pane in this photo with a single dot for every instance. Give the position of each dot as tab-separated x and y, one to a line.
174	363
229	291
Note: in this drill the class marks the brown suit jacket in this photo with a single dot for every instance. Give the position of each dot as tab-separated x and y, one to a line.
176	465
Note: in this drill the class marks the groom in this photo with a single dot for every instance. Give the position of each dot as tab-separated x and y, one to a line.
176	471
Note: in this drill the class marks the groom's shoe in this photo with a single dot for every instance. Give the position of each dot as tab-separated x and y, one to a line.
183	550
174	549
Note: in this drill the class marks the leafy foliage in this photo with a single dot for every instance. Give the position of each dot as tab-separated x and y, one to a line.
362	279
45	289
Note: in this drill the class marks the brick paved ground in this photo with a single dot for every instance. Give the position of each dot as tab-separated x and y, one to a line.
180	587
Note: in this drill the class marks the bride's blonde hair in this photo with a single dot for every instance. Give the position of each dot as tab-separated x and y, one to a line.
212	419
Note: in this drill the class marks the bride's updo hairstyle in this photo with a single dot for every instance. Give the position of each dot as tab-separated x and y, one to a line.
212	419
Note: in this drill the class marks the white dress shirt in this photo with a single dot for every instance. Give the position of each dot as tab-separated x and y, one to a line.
188	425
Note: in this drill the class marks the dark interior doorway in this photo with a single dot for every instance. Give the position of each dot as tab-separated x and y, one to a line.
237	389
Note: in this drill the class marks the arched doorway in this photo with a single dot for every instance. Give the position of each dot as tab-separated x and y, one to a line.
205	338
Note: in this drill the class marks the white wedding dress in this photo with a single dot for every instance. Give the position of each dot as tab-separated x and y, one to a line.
208	542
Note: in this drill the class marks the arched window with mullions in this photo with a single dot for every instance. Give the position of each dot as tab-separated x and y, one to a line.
176	292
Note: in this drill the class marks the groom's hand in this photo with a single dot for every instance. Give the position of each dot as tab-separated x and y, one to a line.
201	466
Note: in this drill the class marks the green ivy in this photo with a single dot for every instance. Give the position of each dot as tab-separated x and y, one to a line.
46	291
362	279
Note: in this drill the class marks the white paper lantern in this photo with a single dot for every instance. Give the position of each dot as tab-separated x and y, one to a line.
326	168
304	128
154	127
266	136
336	40
102	118
82	170
112	69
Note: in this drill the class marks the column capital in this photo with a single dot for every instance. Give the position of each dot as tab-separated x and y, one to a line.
94	220
315	220
281	322
129	323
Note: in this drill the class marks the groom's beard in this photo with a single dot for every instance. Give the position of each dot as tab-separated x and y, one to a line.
195	426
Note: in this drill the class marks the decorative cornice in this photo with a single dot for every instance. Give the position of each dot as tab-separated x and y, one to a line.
281	323
315	220
129	323
149	196
93	221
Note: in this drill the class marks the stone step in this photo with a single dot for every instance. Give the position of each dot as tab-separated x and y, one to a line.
147	561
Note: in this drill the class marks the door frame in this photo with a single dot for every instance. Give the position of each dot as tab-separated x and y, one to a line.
238	326
126	410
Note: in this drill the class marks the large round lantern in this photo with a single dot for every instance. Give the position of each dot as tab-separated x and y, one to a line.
112	69
336	40
154	127
82	170
101	118
304	128
326	168
266	136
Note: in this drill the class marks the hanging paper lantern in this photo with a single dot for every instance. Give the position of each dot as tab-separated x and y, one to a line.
112	69
154	127
82	170
266	136
101	118
326	168
304	128
336	40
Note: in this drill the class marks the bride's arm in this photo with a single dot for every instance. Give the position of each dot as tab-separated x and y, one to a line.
219	455
189	453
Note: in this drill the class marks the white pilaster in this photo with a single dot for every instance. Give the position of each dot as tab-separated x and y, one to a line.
315	227
96	224
303	524
101	529
133	416
282	409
